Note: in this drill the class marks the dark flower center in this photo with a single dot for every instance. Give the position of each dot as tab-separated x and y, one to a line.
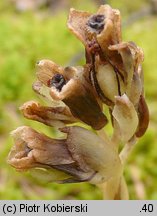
96	22
57	81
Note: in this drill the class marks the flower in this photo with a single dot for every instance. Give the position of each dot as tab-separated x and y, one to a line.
72	86
96	31
82	156
112	77
115	65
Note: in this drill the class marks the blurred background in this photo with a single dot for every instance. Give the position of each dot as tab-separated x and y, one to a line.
31	30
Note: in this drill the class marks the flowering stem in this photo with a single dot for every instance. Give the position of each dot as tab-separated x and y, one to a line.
112	76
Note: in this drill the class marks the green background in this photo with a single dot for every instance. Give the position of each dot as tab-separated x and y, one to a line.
26	37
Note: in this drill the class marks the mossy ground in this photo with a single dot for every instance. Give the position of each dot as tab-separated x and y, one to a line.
28	37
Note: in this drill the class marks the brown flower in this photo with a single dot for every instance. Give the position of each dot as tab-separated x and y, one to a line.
72	86
115	66
82	156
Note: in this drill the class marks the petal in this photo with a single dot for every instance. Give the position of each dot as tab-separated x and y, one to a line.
51	116
111	33
127	63
77	24
33	149
44	92
136	89
126	116
46	69
131	58
49	175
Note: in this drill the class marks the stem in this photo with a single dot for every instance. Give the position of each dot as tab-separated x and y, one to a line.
115	189
123	190
110	188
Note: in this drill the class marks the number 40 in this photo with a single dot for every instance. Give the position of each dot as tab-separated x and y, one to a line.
147	208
